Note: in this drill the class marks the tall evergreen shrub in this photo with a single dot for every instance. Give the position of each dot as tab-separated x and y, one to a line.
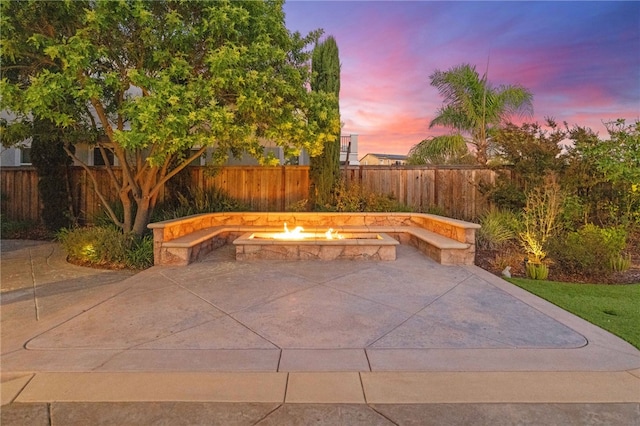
324	171
52	165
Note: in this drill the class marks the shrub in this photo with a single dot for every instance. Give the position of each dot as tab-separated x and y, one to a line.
574	212
299	206
101	219
498	228
140	254
353	198
95	245
346	198
196	201
107	247
437	210
374	202
11	229
505	194
591	249
544	205
620	263
23	230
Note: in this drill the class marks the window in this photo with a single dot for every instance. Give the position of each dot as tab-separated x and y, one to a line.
199	161
98	160
25	156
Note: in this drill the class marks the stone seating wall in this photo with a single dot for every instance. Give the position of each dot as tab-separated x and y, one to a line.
184	240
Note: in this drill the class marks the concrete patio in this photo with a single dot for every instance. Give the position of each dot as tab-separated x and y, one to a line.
297	342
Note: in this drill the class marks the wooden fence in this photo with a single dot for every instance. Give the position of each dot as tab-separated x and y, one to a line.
452	190
260	188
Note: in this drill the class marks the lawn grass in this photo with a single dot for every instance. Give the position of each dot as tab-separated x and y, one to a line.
616	308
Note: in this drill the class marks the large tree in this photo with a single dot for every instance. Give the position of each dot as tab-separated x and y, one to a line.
46	139
324	170
473	107
159	82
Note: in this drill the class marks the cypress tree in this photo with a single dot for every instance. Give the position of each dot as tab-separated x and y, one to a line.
324	171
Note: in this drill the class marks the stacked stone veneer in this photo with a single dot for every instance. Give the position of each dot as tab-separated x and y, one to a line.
378	246
226	227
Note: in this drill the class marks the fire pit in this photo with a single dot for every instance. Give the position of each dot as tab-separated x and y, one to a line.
328	245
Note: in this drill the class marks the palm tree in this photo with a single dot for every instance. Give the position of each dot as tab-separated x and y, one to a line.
473	107
446	149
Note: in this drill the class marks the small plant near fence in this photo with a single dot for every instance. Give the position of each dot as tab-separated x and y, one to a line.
499	228
195	201
355	198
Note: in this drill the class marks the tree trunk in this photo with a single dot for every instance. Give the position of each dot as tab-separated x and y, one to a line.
127	206
143	214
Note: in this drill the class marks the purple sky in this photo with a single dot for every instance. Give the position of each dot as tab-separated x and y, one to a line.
581	60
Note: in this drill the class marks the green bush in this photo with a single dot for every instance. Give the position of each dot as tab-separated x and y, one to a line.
107	247
353	198
498	228
299	206
574	212
102	219
505	194
383	203
347	198
11	229
140	254
23	230
590	250
436	210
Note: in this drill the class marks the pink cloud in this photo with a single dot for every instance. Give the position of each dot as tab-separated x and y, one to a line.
579	70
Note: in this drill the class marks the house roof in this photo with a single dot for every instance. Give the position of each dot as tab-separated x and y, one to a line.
389	156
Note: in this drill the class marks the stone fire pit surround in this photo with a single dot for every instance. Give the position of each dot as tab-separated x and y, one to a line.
353	246
184	240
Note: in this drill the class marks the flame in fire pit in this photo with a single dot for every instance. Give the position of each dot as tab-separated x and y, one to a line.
299	234
333	235
296	234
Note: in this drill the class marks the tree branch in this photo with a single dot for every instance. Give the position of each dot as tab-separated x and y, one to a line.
109	166
175	171
105	203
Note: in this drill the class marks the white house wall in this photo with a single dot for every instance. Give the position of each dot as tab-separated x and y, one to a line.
10	157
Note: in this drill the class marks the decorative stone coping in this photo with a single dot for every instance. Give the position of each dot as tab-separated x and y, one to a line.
184	240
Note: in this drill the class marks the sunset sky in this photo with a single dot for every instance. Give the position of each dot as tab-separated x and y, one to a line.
581	60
